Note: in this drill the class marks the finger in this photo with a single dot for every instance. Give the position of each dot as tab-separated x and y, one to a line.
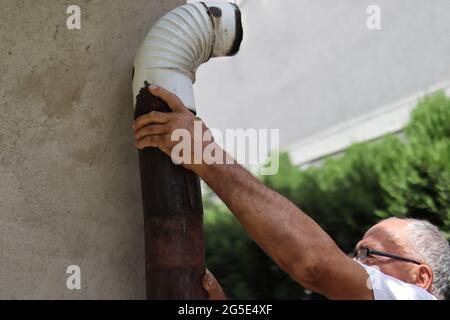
213	288
172	100
153	117
151	129
150	142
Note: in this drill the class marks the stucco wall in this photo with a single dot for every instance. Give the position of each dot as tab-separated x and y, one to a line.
69	185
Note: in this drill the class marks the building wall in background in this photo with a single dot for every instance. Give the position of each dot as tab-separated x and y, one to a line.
308	66
69	184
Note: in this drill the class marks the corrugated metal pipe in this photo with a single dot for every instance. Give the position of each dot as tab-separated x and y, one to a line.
169	56
181	41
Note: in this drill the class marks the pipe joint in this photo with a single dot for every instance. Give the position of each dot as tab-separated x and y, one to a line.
181	41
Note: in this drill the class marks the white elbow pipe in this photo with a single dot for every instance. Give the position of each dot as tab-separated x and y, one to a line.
181	41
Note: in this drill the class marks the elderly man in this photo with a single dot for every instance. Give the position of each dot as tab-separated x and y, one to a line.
396	259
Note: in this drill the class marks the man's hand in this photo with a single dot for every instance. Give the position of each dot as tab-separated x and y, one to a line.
155	129
213	287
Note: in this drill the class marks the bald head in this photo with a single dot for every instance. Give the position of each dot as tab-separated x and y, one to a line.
416	240
388	235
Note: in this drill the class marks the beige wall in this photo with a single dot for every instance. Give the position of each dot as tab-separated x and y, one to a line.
69	184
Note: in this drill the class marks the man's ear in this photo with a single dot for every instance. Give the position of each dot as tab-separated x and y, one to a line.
424	277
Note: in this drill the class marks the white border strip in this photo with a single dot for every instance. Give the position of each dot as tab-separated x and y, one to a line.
387	119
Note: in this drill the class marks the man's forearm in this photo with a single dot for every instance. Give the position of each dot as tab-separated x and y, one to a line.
291	238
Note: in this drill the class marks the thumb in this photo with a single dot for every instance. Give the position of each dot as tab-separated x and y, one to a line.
172	100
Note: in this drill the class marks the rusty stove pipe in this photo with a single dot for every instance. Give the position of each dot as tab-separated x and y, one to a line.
169	56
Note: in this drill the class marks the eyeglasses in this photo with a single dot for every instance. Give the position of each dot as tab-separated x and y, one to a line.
363	253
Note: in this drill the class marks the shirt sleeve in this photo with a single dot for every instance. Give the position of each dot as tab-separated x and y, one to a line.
388	288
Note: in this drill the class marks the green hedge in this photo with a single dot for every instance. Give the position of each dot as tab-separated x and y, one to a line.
404	175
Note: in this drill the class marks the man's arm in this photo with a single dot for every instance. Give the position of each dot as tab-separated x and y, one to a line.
291	238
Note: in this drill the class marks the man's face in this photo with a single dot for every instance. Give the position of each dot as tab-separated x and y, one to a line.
387	236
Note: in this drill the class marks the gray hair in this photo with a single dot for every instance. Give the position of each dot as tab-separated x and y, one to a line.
429	245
